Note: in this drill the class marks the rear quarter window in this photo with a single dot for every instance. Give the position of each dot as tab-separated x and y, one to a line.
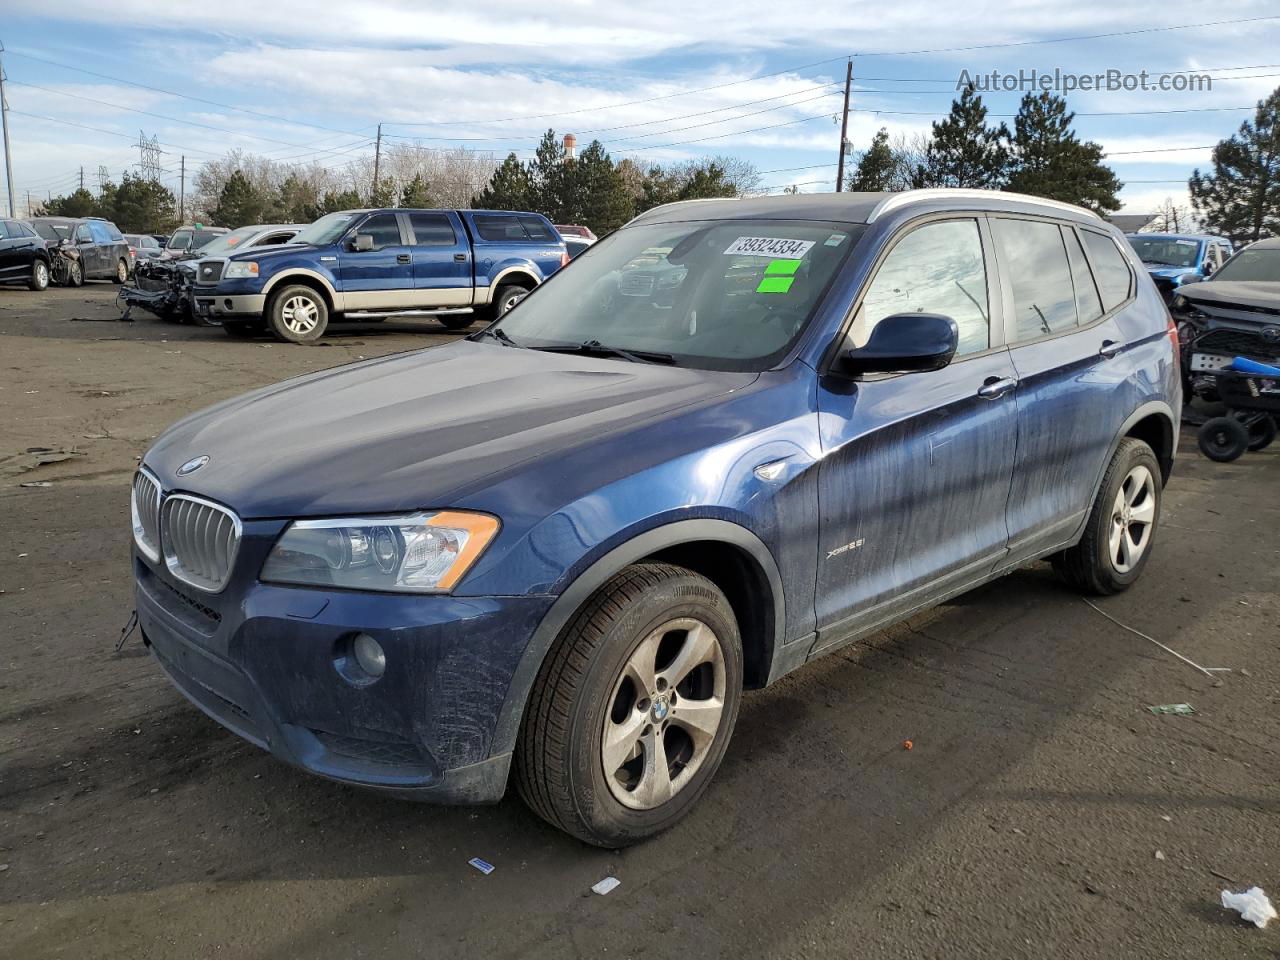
537	230
1110	269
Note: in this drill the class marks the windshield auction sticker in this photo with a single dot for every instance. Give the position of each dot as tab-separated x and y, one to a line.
777	248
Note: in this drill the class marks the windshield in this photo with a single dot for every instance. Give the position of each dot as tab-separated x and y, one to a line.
180	240
732	295
1166	251
203	238
1252	265
52	231
229	242
325	230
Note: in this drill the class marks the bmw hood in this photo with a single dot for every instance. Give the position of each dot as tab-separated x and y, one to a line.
414	430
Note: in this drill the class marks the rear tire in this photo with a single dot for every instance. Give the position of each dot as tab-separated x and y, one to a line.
122	271
1262	433
633	708
1118	535
506	298
298	314
39	276
1223	439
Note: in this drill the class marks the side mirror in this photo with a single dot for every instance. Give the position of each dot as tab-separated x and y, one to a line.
905	343
362	242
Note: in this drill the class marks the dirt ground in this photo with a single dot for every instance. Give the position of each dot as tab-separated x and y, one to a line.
1043	811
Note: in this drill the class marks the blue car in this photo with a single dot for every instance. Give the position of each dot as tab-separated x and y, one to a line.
453	265
558	551
1175	259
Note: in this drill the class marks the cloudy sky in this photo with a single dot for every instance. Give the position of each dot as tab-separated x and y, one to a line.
655	81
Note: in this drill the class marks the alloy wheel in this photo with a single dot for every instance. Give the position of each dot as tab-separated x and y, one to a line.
664	713
300	315
41	275
1133	515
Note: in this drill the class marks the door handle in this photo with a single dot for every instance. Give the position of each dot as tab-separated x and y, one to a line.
402	258
460	257
1109	349
995	387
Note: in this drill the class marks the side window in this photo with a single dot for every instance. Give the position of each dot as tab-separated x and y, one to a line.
274	239
83	235
500	227
432	230
1088	304
1115	280
1034	259
384	228
7	231
936	268
537	230
113	232
98	230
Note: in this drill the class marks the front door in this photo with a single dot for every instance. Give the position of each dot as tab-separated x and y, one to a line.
90	253
916	468
380	278
12	256
441	259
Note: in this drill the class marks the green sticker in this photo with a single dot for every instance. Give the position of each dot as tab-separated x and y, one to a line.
785	268
775	284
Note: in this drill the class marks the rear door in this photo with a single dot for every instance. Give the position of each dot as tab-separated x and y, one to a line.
380	278
10	253
441	258
1068	350
916	468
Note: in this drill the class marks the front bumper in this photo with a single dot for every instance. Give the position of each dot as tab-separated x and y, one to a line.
261	660
219	306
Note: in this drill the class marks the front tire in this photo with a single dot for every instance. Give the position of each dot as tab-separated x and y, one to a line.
457	321
632	711
39	276
298	314
75	274
1117	539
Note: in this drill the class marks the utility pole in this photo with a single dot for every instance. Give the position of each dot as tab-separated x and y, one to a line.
844	126
377	159
81	177
4	121
182	190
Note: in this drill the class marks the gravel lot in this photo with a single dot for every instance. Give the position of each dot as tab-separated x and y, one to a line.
1024	823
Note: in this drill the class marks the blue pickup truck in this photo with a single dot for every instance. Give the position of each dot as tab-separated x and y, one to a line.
455	265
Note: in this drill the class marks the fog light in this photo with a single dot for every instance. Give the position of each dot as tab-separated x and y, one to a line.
369	655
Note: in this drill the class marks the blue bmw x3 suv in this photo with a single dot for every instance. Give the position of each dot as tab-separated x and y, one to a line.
733	436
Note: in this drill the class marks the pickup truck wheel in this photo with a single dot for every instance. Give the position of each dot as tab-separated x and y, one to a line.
507	297
39	275
1118	534
457	321
298	314
122	271
633	708
240	329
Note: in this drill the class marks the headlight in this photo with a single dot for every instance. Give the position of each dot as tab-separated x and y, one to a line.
422	553
240	269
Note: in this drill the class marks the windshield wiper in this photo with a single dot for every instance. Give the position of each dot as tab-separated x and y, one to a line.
594	348
498	334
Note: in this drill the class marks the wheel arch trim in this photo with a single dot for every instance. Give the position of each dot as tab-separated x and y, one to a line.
589	580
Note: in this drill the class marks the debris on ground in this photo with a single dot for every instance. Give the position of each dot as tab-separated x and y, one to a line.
607	885
482	865
1252	905
1178	709
33	457
1159	854
908	744
1207	671
36	483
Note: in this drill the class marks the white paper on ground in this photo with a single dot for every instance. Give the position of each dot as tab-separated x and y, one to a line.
606	885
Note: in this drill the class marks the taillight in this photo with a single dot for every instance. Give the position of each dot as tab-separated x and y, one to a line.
564	259
1172	330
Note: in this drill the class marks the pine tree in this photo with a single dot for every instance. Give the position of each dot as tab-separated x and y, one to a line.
139	205
240	203
383	193
510	188
964	151
594	192
876	166
416	193
550	192
1048	160
344	200
1241	197
80	203
298	200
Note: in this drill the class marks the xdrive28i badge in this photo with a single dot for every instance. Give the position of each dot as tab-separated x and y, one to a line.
191	466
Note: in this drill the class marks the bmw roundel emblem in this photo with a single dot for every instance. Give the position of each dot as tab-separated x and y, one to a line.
191	466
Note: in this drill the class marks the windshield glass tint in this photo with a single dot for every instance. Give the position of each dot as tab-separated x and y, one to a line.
325	230
229	241
180	240
52	231
1252	265
1166	251
726	295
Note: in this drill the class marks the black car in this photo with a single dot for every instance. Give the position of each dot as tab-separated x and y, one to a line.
24	258
104	252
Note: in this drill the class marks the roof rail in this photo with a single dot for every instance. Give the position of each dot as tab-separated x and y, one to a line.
908	197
